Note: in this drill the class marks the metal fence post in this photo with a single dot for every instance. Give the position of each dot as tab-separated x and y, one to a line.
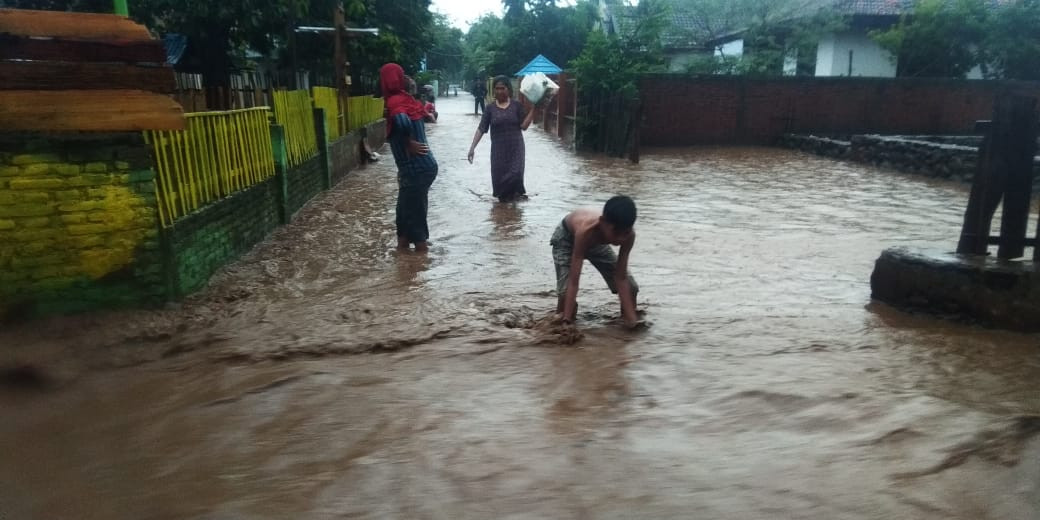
281	171
321	133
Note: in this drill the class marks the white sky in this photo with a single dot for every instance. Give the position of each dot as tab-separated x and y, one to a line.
462	13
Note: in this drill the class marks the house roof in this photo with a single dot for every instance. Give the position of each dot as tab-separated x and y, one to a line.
874	7
679	33
176	45
539	64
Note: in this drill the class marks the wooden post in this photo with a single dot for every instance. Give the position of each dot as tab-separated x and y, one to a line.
1036	241
986	190
634	126
1018	148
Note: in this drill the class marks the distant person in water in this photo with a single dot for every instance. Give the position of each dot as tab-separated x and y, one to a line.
587	234
479	91
506	119
416	167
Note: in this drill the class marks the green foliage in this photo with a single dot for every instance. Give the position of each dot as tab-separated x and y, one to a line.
940	39
406	33
773	31
82	6
769	41
608	71
445	54
1011	48
504	45
613	63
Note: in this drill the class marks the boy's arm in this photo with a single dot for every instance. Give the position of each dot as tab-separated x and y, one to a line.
570	302
628	303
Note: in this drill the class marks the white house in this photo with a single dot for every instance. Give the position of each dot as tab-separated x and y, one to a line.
850	52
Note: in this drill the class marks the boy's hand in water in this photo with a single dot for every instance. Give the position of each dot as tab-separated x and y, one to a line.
417	148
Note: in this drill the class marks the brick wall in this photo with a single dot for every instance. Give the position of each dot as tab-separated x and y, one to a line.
199	244
685	110
78	223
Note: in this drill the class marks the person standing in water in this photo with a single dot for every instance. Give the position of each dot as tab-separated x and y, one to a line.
479	92
507	119
416	166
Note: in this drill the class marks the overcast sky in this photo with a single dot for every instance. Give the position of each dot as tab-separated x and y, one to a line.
464	12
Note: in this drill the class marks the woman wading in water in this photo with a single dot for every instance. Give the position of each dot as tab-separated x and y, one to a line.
506	119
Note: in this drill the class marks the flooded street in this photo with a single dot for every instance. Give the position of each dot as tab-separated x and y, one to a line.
324	375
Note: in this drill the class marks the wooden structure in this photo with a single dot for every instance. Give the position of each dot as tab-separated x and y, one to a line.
82	72
1005	175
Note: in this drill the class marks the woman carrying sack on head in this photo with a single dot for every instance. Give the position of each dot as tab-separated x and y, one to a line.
506	119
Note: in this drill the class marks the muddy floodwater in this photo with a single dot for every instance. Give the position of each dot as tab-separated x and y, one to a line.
326	376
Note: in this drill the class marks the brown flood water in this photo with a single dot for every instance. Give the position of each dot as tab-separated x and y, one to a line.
326	376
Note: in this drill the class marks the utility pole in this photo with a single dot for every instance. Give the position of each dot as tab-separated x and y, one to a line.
340	63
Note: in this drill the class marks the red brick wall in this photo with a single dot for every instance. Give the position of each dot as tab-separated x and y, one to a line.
683	110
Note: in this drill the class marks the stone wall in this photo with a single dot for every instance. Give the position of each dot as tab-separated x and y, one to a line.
979	288
687	110
78	223
945	157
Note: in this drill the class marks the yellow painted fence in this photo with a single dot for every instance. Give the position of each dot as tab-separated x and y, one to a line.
220	153
362	110
217	154
327	98
293	110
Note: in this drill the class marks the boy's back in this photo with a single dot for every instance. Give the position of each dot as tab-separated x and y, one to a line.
588	234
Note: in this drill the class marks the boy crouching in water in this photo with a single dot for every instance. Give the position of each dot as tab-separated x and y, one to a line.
588	234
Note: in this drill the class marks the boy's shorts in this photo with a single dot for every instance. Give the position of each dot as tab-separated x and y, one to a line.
601	256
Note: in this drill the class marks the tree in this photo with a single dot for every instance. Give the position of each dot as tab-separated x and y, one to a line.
406	31
773	32
219	31
503	46
445	55
1011	48
608	71
82	6
939	39
483	46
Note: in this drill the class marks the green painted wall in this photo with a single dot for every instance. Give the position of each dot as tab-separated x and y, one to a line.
79	227
78	223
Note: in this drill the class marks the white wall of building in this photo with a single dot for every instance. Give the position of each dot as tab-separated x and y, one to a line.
791	63
868	58
733	49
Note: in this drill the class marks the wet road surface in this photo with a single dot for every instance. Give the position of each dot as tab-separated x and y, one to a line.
326	376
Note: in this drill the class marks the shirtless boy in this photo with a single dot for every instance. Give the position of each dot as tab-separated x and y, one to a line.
587	234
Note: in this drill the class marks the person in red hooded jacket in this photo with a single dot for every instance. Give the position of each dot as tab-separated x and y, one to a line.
416	166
